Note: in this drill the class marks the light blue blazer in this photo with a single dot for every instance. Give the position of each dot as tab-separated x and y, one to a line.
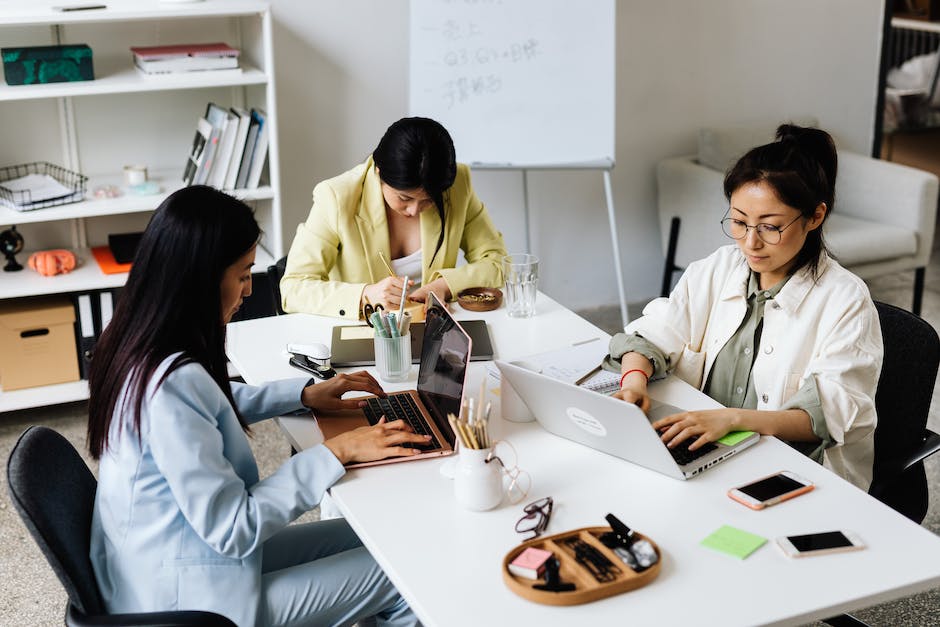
180	517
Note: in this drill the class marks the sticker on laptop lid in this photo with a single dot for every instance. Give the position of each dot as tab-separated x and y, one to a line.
586	421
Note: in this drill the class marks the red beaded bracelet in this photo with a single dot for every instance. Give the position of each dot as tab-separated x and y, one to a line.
624	375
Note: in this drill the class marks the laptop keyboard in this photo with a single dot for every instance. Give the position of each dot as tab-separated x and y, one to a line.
400	407
683	455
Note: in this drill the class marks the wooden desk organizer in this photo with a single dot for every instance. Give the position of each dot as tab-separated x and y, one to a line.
587	587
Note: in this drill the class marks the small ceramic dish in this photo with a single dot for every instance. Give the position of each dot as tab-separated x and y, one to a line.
480	298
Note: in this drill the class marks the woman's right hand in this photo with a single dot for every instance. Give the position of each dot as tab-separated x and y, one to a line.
381	440
637	397
387	292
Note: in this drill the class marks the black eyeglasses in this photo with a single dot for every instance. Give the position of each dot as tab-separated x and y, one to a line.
769	233
537	515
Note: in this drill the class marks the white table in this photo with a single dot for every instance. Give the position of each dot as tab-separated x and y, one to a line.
446	561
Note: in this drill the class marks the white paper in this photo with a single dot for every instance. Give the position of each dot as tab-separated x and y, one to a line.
40	187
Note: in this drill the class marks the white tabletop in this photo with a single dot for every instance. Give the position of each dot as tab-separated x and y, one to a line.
446	561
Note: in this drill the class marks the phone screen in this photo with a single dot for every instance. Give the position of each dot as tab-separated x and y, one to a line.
819	541
770	487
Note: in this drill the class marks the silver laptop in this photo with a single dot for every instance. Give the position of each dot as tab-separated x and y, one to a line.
611	425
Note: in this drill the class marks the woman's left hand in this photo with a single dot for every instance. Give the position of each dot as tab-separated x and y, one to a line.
438	286
702	426
327	395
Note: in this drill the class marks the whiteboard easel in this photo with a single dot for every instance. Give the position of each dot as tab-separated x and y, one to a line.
605	168
521	85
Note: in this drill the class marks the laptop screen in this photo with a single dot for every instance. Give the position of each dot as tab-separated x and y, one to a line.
445	354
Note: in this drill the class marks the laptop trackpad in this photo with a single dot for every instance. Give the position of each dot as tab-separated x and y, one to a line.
661	410
334	423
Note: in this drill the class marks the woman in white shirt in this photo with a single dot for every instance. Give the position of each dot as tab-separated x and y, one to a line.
773	328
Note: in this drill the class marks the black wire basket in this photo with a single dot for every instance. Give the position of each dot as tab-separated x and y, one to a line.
22	200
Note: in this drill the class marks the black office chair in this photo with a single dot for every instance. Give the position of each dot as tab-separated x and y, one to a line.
54	492
275	273
902	439
905	389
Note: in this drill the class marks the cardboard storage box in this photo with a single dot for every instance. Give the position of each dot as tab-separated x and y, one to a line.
37	342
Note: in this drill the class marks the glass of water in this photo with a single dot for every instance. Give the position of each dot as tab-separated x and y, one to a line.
521	273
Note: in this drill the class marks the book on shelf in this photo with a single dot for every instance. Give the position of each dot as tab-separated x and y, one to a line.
250	141
198	151
260	151
226	123
238	149
185	58
208	157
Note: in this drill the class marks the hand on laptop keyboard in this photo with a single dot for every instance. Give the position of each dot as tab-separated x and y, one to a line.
695	427
378	441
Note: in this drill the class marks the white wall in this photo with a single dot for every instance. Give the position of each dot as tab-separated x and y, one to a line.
342	72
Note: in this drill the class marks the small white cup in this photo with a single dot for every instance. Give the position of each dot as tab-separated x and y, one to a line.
135	174
478	485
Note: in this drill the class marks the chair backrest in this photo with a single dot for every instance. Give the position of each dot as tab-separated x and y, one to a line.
905	389
54	492
275	273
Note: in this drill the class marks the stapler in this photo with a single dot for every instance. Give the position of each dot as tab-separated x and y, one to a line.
312	358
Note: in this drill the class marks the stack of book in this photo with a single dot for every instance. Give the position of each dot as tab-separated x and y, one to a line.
229	149
185	58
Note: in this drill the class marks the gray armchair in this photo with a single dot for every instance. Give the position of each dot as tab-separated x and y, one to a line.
882	222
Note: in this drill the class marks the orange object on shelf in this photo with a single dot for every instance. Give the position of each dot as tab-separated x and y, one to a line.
106	261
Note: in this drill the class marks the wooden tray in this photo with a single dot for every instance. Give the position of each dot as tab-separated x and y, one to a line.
588	589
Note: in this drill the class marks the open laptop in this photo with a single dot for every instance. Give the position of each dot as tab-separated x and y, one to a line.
445	356
352	345
613	426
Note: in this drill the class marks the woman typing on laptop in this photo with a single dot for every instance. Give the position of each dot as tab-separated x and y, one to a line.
773	328
407	211
181	518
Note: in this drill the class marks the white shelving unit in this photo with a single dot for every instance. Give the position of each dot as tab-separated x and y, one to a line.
120	118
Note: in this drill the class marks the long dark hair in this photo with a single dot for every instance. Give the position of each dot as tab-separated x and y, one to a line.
801	167
418	153
171	303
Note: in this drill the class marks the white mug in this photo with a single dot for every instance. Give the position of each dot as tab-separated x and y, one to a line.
478	484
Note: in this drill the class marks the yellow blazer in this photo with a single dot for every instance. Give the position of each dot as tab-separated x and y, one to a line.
336	252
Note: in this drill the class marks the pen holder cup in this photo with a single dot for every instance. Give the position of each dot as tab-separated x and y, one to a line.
393	357
478	485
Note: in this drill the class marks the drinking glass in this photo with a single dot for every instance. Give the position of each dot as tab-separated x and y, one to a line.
521	272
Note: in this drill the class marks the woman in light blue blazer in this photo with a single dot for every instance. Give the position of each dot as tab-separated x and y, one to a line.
181	519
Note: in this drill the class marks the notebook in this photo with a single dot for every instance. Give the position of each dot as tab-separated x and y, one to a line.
612	426
445	356
352	345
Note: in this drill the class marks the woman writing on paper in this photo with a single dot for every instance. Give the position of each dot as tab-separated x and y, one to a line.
772	328
181	518
409	208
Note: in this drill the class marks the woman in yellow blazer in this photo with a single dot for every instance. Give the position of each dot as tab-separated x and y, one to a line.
378	212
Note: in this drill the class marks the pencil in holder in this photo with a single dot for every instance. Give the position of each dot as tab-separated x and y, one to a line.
393	357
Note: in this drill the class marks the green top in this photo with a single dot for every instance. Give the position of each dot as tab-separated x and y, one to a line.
729	381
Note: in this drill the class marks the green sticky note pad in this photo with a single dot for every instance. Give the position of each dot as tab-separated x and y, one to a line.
732	438
734	542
